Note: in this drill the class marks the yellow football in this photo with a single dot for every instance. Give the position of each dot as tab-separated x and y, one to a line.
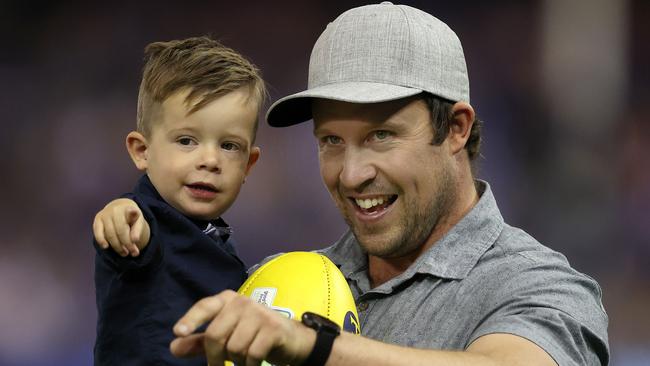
296	282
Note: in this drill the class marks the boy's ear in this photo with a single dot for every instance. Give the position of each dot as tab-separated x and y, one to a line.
460	126
252	159
136	145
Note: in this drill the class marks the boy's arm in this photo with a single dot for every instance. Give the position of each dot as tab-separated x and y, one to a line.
121	226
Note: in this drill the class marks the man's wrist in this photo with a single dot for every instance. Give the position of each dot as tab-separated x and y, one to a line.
326	333
308	341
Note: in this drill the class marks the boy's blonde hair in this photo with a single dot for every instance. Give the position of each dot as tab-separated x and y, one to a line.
201	64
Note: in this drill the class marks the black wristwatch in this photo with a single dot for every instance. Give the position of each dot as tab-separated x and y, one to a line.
326	332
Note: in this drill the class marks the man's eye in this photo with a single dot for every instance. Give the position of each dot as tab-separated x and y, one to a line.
230	146
382	134
332	140
186	141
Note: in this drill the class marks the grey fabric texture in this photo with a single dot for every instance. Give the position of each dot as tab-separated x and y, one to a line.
378	53
483	277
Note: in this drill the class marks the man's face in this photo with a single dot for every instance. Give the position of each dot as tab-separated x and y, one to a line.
198	162
387	179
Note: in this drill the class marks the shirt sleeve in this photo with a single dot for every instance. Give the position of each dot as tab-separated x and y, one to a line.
555	307
149	257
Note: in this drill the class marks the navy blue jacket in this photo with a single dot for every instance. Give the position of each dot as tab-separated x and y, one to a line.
140	299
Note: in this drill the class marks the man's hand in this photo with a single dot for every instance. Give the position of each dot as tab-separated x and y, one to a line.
242	331
121	226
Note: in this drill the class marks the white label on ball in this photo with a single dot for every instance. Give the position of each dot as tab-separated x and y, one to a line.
286	312
264	295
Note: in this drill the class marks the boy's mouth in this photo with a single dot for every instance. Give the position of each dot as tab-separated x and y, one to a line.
202	190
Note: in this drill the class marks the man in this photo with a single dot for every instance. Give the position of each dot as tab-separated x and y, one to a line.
438	277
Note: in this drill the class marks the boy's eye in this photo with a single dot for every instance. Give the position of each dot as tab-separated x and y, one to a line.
186	141
230	146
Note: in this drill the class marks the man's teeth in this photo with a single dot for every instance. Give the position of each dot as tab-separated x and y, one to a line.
369	203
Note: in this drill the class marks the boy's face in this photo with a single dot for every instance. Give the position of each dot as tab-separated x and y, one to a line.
198	162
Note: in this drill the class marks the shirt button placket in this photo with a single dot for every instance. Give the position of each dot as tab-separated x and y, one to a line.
363	306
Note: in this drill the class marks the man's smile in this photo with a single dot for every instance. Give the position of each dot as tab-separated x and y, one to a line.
372	205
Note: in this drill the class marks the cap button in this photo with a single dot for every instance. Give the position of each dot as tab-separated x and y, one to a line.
386	3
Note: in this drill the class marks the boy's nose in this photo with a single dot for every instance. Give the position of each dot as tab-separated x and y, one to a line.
209	160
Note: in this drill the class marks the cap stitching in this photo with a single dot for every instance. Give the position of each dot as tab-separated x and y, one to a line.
408	35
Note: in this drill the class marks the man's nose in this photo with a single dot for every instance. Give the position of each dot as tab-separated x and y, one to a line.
358	169
209	159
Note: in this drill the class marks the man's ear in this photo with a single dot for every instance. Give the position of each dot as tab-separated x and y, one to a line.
252	159
136	145
460	126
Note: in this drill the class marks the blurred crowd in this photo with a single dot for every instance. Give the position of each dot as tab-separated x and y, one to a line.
563	89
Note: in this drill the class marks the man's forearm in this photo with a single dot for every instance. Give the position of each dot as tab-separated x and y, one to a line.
490	350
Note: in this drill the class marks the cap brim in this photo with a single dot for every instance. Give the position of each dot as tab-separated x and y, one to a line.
296	108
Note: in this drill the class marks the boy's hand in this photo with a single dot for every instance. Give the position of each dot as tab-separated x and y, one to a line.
121	226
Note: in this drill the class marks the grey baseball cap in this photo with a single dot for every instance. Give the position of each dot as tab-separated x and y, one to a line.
378	53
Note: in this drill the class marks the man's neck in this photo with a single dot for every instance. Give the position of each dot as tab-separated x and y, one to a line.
381	270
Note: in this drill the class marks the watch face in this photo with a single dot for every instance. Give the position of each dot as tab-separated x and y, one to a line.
318	322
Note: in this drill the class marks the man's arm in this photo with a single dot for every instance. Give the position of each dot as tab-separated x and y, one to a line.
492	349
246	332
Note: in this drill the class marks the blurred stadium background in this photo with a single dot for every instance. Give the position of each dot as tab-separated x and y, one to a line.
563	88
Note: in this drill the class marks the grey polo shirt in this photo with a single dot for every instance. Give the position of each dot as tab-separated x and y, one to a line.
482	277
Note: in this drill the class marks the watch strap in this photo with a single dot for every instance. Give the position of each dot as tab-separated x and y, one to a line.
322	348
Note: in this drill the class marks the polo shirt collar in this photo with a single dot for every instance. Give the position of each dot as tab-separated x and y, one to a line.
452	257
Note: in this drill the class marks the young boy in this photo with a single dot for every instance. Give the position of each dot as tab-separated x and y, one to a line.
197	119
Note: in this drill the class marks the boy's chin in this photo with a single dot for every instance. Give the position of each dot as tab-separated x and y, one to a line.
203	215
